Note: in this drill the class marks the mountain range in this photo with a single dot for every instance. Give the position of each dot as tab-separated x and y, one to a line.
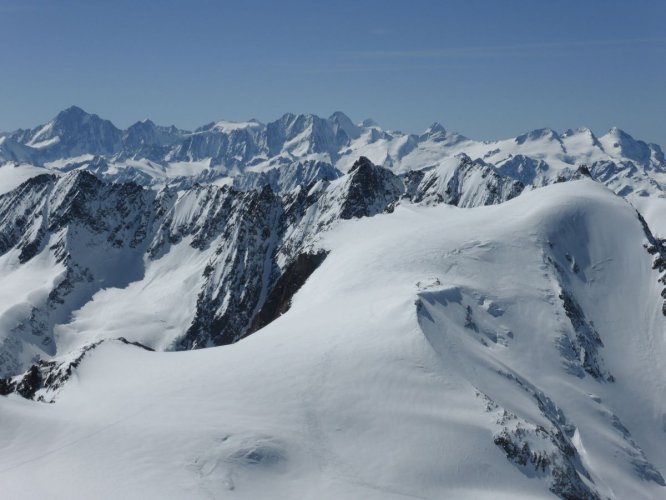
317	308
221	152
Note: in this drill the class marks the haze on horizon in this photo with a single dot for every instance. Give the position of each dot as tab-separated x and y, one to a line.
486	69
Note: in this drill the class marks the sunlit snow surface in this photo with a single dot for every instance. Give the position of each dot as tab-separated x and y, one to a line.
377	382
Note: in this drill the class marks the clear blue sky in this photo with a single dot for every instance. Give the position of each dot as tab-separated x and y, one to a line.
487	69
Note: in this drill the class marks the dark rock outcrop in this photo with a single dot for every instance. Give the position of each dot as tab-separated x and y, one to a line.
656	248
279	298
43	380
587	342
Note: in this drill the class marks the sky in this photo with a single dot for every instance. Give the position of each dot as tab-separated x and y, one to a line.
486	68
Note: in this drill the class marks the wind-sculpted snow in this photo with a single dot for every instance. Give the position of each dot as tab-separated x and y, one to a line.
472	330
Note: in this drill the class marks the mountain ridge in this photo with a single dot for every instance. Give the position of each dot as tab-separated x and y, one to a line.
100	235
74	120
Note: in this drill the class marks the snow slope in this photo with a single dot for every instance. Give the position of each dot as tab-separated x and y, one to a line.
511	351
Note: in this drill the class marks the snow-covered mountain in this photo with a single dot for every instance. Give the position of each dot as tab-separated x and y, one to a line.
80	239
434	352
219	152
314	308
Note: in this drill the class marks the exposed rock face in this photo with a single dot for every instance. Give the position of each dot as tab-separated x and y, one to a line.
523	168
657	248
551	450
464	183
368	190
22	211
43	380
583	348
286	178
540	451
536	435
264	235
237	280
279	298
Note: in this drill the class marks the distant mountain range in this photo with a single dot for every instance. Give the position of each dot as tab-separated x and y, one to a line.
295	148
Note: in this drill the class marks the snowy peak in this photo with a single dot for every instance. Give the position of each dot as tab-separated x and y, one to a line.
285	178
435	132
300	135
581	133
465	183
343	128
435	128
147	140
541	134
227	127
143	133
620	144
222	152
581	140
74	132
